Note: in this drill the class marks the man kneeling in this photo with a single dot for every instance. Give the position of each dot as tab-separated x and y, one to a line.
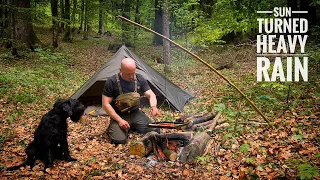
127	82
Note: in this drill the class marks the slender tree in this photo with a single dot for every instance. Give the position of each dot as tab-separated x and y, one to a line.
158	22
101	17
73	17
81	15
85	35
62	15
12	28
166	44
67	36
54	10
126	28
137	19
1	18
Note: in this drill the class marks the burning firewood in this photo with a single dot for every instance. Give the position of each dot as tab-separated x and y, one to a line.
144	146
152	141
171	155
195	148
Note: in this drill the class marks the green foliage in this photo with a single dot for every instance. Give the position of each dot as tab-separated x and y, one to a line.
29	81
229	16
306	171
227	136
220	107
186	18
91	160
244	148
116	166
249	160
10	119
203	159
48	55
234	156
2	140
297	137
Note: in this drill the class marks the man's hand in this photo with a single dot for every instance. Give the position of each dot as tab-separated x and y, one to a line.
154	111
124	124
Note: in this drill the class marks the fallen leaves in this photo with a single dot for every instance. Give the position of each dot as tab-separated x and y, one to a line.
267	154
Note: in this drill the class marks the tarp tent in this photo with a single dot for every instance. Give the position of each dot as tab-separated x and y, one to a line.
161	86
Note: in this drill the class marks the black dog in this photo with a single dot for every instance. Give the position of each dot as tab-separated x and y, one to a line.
50	138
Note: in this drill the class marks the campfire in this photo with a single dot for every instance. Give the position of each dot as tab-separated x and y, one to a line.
192	142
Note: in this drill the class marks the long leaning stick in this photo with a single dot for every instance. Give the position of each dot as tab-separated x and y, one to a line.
205	63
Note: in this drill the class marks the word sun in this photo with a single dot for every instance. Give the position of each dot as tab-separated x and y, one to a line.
281	41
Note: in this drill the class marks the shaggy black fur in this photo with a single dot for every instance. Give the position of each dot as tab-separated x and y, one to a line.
50	138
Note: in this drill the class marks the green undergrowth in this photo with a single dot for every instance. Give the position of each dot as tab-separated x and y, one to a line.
37	77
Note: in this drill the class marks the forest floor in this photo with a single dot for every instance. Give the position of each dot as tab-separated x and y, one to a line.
288	148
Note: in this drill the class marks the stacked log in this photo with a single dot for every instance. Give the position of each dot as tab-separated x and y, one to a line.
195	148
203	121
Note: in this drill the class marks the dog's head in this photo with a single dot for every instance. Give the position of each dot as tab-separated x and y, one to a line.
73	108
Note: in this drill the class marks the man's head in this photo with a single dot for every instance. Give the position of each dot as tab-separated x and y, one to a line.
128	69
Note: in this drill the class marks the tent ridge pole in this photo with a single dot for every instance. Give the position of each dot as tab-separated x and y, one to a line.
204	62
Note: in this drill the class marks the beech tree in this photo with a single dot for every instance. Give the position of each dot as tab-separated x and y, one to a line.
166	44
54	10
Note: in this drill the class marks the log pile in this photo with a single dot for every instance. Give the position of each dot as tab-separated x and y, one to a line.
203	121
165	146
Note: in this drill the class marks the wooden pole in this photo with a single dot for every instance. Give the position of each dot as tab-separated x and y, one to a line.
202	61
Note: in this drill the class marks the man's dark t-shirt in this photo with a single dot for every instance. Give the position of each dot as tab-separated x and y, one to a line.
111	87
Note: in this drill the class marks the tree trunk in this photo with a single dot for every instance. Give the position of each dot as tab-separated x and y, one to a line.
137	19
67	35
73	18
126	27
81	15
12	29
101	17
158	23
2	18
23	27
54	10
166	44
62	15
85	36
195	148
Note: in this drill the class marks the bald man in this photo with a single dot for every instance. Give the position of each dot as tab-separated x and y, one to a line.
134	120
